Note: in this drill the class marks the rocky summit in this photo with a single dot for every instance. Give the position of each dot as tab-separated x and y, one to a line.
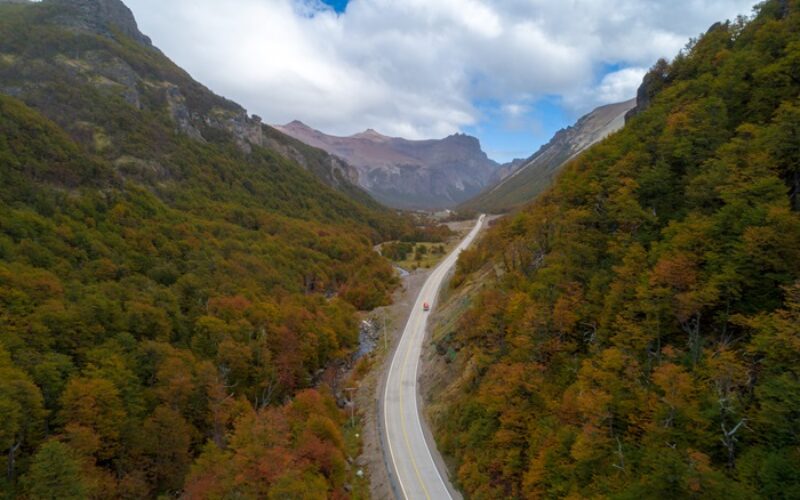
104	17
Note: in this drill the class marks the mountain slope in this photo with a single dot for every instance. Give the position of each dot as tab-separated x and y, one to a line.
171	286
429	174
534	175
63	56
639	335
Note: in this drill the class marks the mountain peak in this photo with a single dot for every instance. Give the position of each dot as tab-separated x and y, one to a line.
459	136
297	124
103	17
370	134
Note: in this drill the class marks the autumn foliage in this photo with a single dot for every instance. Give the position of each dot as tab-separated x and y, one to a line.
643	336
166	304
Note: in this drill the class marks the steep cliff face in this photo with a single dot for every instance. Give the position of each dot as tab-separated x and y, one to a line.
430	174
524	180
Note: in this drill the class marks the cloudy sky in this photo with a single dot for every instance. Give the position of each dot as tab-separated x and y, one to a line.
511	72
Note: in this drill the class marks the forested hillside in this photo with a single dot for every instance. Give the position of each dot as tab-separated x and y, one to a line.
166	299
642	338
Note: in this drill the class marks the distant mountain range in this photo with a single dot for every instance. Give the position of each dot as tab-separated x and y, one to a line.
454	171
429	174
521	181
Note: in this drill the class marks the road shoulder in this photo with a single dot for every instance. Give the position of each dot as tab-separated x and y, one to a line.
373	458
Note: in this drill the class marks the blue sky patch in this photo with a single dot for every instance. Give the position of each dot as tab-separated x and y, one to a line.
505	137
338	5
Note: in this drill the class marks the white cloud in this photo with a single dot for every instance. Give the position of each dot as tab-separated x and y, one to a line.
515	116
515	110
417	68
620	85
617	86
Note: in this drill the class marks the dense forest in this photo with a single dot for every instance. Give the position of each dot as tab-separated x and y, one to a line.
167	298
642	336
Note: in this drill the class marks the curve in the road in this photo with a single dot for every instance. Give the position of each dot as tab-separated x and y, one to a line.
410	453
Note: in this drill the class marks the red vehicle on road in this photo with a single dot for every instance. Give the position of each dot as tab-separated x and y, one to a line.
426	307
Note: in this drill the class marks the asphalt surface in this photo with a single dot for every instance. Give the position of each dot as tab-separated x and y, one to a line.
410	454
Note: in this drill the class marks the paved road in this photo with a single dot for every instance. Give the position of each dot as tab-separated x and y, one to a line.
409	453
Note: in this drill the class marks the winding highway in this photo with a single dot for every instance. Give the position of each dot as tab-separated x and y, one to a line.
409	452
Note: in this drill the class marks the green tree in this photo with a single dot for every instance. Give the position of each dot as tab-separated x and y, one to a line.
54	474
22	407
295	485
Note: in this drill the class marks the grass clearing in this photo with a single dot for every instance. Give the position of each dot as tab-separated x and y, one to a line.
419	255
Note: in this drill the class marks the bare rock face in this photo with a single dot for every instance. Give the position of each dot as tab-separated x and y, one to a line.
102	17
431	174
115	72
652	83
180	113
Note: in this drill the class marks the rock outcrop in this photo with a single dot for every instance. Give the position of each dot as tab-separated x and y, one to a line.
652	83
103	17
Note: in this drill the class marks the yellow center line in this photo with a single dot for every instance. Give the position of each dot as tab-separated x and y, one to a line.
403	421
446	264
